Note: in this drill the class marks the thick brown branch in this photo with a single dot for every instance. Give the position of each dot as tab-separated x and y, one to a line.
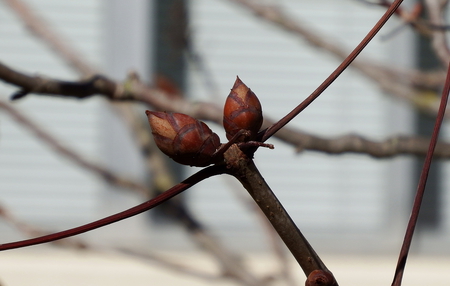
243	168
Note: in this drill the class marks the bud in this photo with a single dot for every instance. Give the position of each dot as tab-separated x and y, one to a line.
186	140
242	110
320	278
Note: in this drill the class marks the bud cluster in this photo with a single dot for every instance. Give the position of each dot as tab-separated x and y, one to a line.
189	141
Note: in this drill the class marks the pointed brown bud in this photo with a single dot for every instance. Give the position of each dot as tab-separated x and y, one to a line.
242	111
186	140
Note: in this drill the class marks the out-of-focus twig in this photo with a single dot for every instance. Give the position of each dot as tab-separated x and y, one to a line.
67	152
378	73
269	132
439	39
410	18
44	30
176	266
353	143
396	145
133	211
77	243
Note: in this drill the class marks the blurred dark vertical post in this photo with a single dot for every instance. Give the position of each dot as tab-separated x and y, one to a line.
169	73
431	210
170	42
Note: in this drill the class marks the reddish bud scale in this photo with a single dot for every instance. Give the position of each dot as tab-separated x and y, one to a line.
186	140
242	110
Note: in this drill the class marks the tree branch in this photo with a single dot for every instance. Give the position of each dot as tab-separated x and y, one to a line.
353	143
393	146
348	59
243	168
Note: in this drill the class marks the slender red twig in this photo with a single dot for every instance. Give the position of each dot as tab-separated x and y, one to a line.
334	75
175	190
421	186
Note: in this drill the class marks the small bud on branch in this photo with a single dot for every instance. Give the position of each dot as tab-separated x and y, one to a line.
186	140
242	111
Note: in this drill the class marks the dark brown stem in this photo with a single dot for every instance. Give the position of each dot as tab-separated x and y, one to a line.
184	185
421	186
243	168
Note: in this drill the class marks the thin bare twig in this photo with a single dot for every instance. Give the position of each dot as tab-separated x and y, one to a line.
410	18
77	243
385	77
175	190
439	39
33	231
421	186
336	73
169	264
354	143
